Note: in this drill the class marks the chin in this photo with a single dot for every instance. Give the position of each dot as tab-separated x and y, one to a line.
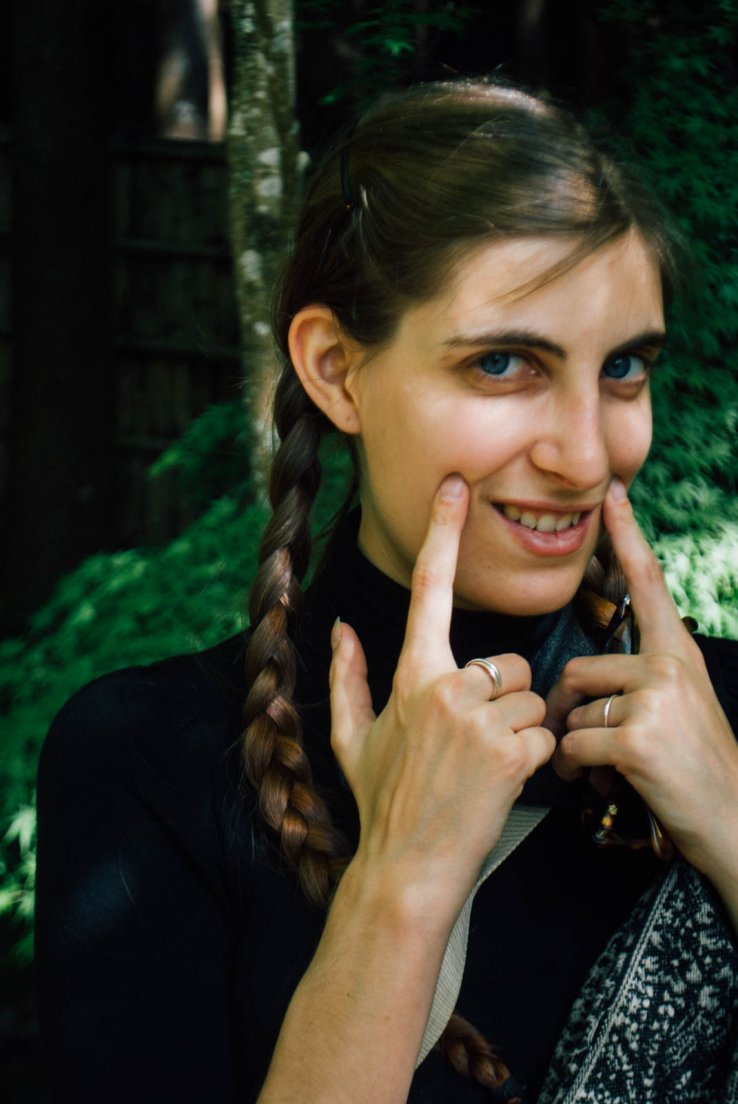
518	598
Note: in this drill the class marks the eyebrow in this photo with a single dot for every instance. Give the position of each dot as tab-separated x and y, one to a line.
649	339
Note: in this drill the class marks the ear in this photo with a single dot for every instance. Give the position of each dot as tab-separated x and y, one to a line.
322	355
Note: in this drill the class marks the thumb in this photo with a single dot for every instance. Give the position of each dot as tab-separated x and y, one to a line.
351	700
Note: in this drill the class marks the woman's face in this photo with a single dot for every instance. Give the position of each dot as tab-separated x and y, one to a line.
536	399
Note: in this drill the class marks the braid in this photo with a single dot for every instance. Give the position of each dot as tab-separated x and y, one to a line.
496	164
469	1053
275	762
461	1044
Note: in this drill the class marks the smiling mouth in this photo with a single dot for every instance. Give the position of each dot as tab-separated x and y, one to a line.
541	521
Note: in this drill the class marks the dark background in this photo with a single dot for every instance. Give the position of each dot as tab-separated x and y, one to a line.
118	324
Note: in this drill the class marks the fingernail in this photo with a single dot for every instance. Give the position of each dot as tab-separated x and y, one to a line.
336	633
452	488
618	490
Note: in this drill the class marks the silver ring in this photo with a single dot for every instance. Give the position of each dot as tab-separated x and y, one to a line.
492	670
606	711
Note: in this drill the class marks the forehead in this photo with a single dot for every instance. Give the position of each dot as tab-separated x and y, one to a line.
613	292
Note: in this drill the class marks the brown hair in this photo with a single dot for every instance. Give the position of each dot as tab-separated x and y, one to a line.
426	176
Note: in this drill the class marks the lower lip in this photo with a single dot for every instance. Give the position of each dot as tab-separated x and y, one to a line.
564	543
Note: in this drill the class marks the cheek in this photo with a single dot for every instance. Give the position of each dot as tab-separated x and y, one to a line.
404	433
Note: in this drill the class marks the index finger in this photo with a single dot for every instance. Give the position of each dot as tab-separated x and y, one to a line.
658	617
432	591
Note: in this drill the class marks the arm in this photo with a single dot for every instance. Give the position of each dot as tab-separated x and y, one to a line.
434	777
358	1015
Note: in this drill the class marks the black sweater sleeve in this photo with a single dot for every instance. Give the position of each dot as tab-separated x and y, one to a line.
721	657
169	937
135	924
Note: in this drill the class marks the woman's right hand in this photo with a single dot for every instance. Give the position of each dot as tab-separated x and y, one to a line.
436	773
434	777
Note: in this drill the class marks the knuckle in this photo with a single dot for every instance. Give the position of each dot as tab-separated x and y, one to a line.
541	750
477	730
570	675
665	668
425	578
537	708
550	742
633	744
531	708
567	746
574	718
513	758
445	695
444	511
519	668
650	702
648	571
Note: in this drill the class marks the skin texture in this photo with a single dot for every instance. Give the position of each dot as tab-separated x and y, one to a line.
667	733
430	811
552	431
435	774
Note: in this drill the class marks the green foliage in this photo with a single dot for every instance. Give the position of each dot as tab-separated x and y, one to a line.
681	119
702	573
126	608
122	608
18	873
212	456
385	41
138	605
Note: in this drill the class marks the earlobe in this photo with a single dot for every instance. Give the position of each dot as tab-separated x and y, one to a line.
322	356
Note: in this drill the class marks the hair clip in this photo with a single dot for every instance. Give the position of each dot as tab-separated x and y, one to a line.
622	613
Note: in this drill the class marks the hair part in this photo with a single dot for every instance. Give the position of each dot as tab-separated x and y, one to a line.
438	171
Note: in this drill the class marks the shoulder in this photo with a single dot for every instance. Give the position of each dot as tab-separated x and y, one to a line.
173	715
721	657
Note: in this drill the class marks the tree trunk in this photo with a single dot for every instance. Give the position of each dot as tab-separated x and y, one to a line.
264	181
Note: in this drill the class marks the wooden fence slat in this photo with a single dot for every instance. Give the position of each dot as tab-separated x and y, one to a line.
174	336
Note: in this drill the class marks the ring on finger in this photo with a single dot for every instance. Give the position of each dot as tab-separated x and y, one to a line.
492	670
606	711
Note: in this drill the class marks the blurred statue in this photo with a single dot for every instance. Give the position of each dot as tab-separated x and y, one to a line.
190	84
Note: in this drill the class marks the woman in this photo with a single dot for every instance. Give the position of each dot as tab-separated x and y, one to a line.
475	300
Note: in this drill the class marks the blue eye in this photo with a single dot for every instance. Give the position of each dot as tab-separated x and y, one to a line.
499	364
626	366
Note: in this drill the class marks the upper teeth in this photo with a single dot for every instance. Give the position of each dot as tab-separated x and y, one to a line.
544	523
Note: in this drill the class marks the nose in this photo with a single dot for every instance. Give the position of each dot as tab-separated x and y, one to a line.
571	443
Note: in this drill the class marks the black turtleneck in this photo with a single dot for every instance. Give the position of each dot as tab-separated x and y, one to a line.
352	588
170	935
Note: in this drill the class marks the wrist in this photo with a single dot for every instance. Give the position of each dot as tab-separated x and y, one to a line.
396	901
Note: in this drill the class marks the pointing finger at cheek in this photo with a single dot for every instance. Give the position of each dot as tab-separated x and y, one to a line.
657	615
431	595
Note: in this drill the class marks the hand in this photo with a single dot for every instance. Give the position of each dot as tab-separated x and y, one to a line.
667	734
435	775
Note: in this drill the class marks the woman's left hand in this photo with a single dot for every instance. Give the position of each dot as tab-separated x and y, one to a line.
666	732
